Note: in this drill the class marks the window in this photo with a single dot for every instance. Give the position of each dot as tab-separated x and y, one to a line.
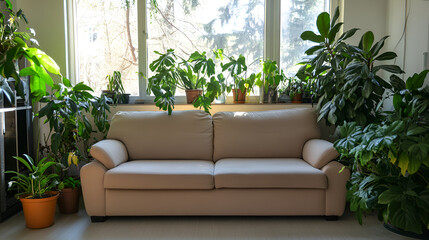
237	27
107	41
297	16
111	34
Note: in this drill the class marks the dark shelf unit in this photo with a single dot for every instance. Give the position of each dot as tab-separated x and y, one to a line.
16	139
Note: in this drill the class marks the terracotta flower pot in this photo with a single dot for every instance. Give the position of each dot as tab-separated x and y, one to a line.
297	98
238	96
192	94
39	213
68	202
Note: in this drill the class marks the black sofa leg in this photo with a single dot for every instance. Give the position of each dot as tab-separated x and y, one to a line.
96	219
332	218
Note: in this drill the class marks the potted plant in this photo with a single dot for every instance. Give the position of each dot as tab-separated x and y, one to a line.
240	84
115	89
66	111
196	72
13	46
347	76
273	78
36	191
68	202
390	160
295	87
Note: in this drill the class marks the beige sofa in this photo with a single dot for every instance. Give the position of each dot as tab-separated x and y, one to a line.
234	163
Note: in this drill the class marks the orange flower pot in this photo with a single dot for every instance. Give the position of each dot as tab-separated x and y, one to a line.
39	213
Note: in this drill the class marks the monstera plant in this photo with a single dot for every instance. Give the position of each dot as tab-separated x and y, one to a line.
348	80
390	159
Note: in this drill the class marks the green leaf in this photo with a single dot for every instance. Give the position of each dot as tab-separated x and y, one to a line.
392	194
336	16
367	89
311	50
332	117
333	32
389	68
347	34
416	131
55	141
82	87
416	81
386	56
397	101
323	24
311	36
366	41
397	83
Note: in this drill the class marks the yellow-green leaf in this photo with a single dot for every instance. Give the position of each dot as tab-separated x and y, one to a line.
392	157
403	162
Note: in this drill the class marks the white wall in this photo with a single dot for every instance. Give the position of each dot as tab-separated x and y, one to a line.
367	15
416	40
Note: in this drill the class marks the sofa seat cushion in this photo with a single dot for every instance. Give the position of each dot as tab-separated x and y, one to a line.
161	174
267	173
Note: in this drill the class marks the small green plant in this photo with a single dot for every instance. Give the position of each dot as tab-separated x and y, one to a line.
69	182
115	87
273	78
237	69
36	183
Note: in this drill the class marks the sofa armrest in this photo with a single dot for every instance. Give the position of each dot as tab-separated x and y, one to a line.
92	178
110	152
319	152
336	192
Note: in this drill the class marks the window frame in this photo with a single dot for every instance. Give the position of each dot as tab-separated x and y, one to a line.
272	40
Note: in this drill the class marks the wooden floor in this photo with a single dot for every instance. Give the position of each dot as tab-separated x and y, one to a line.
78	226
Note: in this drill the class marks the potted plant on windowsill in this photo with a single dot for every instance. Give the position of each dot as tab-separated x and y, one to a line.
115	89
67	112
36	191
296	87
240	85
272	79
196	72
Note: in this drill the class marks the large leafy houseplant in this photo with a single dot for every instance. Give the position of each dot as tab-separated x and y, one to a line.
14	46
67	112
348	83
390	159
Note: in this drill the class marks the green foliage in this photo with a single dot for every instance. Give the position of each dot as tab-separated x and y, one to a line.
13	46
116	87
67	111
69	182
197	72
273	76
347	80
390	159
36	182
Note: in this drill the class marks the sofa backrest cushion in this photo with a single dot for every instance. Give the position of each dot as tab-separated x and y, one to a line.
184	135
265	134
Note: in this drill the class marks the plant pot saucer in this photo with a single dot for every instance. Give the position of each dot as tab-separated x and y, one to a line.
396	230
